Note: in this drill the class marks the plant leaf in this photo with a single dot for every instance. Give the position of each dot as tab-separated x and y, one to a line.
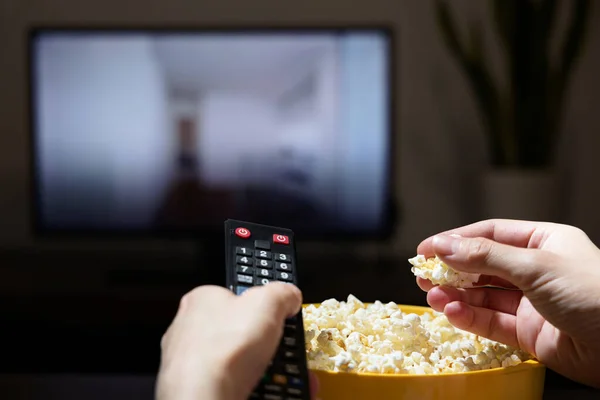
574	39
448	28
504	17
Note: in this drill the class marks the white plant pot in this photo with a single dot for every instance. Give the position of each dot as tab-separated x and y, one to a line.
521	194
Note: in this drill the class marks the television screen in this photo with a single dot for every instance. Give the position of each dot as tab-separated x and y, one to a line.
176	131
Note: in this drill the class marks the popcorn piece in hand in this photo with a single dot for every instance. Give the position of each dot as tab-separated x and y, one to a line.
355	337
439	273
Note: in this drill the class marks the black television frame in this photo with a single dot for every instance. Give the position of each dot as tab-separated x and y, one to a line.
391	206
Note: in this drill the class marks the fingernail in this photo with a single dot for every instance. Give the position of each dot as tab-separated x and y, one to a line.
444	245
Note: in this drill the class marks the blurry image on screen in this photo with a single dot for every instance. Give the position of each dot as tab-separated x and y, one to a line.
166	130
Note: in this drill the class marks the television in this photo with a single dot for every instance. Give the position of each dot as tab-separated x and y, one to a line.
161	131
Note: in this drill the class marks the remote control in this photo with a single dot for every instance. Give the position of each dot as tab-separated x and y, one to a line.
256	255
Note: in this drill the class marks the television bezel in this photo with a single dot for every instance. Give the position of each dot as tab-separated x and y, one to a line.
391	206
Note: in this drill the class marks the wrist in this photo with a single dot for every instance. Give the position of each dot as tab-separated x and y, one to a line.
188	382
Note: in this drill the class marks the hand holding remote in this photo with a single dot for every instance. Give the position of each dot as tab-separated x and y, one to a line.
219	344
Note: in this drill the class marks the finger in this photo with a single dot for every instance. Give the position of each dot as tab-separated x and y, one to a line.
487	280
425	284
494	325
314	384
506	301
198	297
521	267
484	280
189	304
277	300
512	232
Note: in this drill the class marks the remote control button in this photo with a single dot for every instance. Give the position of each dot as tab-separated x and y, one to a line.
262	281
243	260
241	289
292	369
244	251
263	254
281	239
283	266
280	379
295	381
264	264
242	232
264	273
294	391
283	257
289	355
269	396
244	279
273	388
284	276
244	269
293	398
288	326
289	341
262	244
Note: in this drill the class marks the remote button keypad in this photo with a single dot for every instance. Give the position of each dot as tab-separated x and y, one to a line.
263	254
288	326
282	239
244	269
273	388
292	369
283	266
243	251
264	264
243	260
283	257
284	276
289	330
262	281
262	244
295	381
247	279
267	273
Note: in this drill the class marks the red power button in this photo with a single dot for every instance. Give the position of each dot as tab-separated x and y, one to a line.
242	232
281	239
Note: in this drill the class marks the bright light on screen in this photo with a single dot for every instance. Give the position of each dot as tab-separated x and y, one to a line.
183	130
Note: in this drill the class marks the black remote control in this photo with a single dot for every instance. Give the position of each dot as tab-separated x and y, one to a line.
256	255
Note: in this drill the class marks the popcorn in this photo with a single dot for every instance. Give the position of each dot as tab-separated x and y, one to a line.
380	338
439	273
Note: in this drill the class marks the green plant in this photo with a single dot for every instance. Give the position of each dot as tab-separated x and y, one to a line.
522	121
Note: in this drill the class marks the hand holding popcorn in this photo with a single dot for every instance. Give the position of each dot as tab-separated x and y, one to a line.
555	312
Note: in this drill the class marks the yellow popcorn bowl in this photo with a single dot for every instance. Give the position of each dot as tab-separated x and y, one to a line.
521	382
